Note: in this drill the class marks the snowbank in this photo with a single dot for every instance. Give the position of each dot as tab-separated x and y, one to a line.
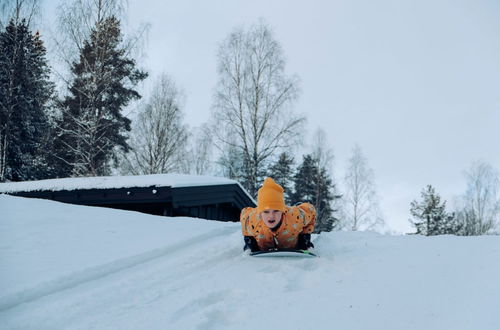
47	243
73	267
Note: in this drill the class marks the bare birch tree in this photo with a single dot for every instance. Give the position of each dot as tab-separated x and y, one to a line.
361	210
230	161
321	150
479	207
199	156
323	155
75	23
159	139
252	100
18	10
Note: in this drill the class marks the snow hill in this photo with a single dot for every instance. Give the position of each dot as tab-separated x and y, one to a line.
75	267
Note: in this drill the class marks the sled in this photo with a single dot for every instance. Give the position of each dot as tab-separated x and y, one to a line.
294	253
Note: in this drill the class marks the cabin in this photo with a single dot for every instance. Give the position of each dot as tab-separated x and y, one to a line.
171	195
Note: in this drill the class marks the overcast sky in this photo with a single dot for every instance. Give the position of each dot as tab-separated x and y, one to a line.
415	83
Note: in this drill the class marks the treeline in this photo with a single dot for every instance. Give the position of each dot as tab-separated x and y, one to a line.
476	212
81	130
79	125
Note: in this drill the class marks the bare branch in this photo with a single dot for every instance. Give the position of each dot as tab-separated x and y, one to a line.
479	207
159	139
361	210
251	97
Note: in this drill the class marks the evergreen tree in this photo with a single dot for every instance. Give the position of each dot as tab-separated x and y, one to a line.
303	180
92	126
282	172
25	92
430	216
314	185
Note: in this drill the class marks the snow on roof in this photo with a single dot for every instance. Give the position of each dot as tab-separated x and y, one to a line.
107	182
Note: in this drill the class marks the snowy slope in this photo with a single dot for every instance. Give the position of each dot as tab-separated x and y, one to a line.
73	267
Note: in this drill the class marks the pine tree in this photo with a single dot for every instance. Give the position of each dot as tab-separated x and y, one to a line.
314	185
282	172
92	126
25	92
303	181
430	216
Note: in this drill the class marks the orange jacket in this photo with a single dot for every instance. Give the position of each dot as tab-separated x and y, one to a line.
294	221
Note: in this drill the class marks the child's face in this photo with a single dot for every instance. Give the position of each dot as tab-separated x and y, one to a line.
271	218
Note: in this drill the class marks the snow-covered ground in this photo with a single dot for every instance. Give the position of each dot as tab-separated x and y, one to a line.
75	267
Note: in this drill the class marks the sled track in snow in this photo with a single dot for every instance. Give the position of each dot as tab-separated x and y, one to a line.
94	273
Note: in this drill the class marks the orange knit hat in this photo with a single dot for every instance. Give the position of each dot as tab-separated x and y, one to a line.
270	196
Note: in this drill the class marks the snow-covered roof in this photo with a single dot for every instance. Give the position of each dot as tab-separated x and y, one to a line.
109	182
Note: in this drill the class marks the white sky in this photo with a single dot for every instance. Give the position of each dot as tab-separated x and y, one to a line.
415	83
